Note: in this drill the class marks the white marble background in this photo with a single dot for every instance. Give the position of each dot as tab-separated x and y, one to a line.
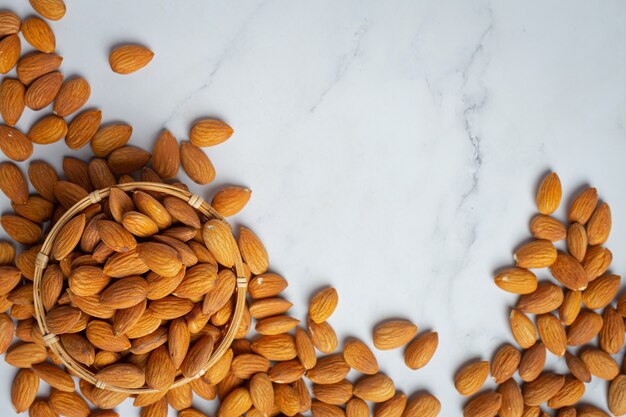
393	148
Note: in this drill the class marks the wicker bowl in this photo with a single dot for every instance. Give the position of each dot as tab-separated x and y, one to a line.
41	263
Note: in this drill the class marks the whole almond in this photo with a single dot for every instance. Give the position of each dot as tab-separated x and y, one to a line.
139	224
569	272
62	319
196	164
617	396
533	362
330	370
68	404
577	367
48	129
393	407
552	334
320	409
266	285
119	204
43	177
322	304
20	229
124	293
599	225
569	394
543	388
245	365
512	399
43	90
38	34
570	308
209	132
100	334
10	276
24	390
516	280
127	159
203	389
160	287
280	347
536	254
166	155
178	345
100	175
24	355
110	137
10	48
597	261
13	183
359	357
147	324
286	372
152	208
393	334
471	377
181	211
375	388
129	58
50	9
523	329
216	373
235	404
125	264
36	64
323	336
9	23
583	206
91	305
170	307
549	194
115	236
160	258
145	344
601	291
68	237
276	325
269	307
41	409
36	209
79	348
220	242
14	144
577	241
600	364
504	363
126	318
423	404
612	332
231	200
123	375
54	376
548	228
420	351
483	405
72	95
6	332
586	326
546	298
82	128
12	104
262	393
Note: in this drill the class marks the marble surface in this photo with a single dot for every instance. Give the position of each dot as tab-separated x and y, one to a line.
393	148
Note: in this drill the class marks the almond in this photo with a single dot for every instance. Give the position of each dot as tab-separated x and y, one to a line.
235	404
586	326
43	90
599	225
109	138
600	364
577	241
82	128
147	324
170	307
209	132
276	325
245	365
231	200
601	291
11	100
145	344
329	370
100	175
24	390
72	95
569	394
48	130
266	285
204	390
34	65
542	389
152	208
197	282
115	236
523	329
323	336
393	334
21	230
393	407
323	304
569	309
100	334
129	58
262	393
583	206
181	397
569	272
612	332
375	388
617	396
36	209
159	286
548	228
139	224
68	237
62	319
124	293
552	334
533	362
127	159
125	264
269	307
41	409
546	298
43	177
24	355
484	405
38	34
549	194
10	48
166	155
471	377
423	404
123	375
54	376
10	276
6	332
286	372
160	258
420	351
79	348
536	254
14	144
68	193
181	211
280	347
512	399
13	183
196	164
504	364
50	9
126	318
220	242
68	404
597	261
516	280
119	204
178	345
320	409
9	23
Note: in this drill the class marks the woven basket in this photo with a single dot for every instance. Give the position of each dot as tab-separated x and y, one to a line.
41	263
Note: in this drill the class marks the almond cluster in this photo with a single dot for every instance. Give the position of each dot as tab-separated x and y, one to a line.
578	316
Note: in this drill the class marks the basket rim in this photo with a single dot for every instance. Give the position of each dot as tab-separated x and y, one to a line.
41	262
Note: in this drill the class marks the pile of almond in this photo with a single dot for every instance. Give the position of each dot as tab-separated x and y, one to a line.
571	312
140	286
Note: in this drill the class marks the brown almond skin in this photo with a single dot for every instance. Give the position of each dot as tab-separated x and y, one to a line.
471	377
549	194
532	362
209	132
34	65
600	364
50	9
422	404
24	390
512	399
504	363
516	280
612	332
124	292
523	329
599	225
122	375
542	389
535	254
577	241
82	128
229	201
552	334
110	137
38	34
43	90
569	394
393	333
10	23
421	350
583	206
10	48
569	272
597	260
548	228
545	299
196	163
483	405
15	144
601	291
617	396
586	326
12	104
127	59
166	155
570	308
13	183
